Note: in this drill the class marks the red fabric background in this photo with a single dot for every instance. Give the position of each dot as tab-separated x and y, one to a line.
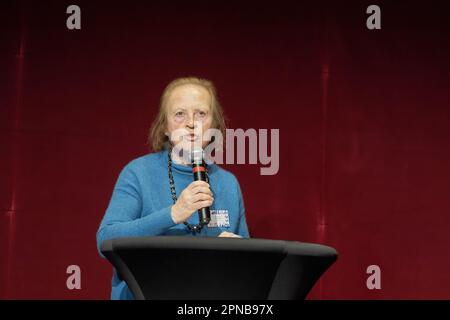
363	118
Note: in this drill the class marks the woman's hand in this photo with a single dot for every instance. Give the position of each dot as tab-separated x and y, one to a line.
197	195
227	234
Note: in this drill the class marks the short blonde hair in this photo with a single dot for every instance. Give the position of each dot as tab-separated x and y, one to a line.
157	137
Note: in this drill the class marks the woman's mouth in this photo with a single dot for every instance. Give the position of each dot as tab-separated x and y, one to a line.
191	137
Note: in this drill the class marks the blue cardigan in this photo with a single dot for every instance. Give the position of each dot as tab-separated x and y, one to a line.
141	204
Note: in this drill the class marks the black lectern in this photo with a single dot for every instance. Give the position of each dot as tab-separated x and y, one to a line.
188	268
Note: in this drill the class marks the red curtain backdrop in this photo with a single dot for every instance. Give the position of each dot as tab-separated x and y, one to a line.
363	118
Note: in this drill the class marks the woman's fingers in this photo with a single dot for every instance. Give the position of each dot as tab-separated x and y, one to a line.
202	197
202	204
204	190
198	183
227	234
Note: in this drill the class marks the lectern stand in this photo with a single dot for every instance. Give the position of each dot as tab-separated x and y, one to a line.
188	268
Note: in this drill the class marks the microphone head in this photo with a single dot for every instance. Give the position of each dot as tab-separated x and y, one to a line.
197	155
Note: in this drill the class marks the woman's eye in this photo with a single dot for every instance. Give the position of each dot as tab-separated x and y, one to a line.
179	114
201	114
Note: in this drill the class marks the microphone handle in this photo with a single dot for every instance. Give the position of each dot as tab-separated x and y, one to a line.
204	214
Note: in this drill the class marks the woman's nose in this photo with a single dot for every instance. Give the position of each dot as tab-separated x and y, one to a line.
190	121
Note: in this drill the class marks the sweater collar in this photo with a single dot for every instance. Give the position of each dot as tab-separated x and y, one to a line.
182	168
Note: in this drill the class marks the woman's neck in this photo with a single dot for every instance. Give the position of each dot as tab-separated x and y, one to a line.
184	160
181	160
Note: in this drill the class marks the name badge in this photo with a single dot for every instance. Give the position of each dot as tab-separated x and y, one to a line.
219	218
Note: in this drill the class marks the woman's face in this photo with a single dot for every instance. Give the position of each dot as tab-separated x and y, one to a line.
188	116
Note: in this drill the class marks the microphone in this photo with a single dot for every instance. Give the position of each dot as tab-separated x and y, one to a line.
199	171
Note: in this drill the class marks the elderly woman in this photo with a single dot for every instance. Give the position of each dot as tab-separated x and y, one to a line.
156	195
